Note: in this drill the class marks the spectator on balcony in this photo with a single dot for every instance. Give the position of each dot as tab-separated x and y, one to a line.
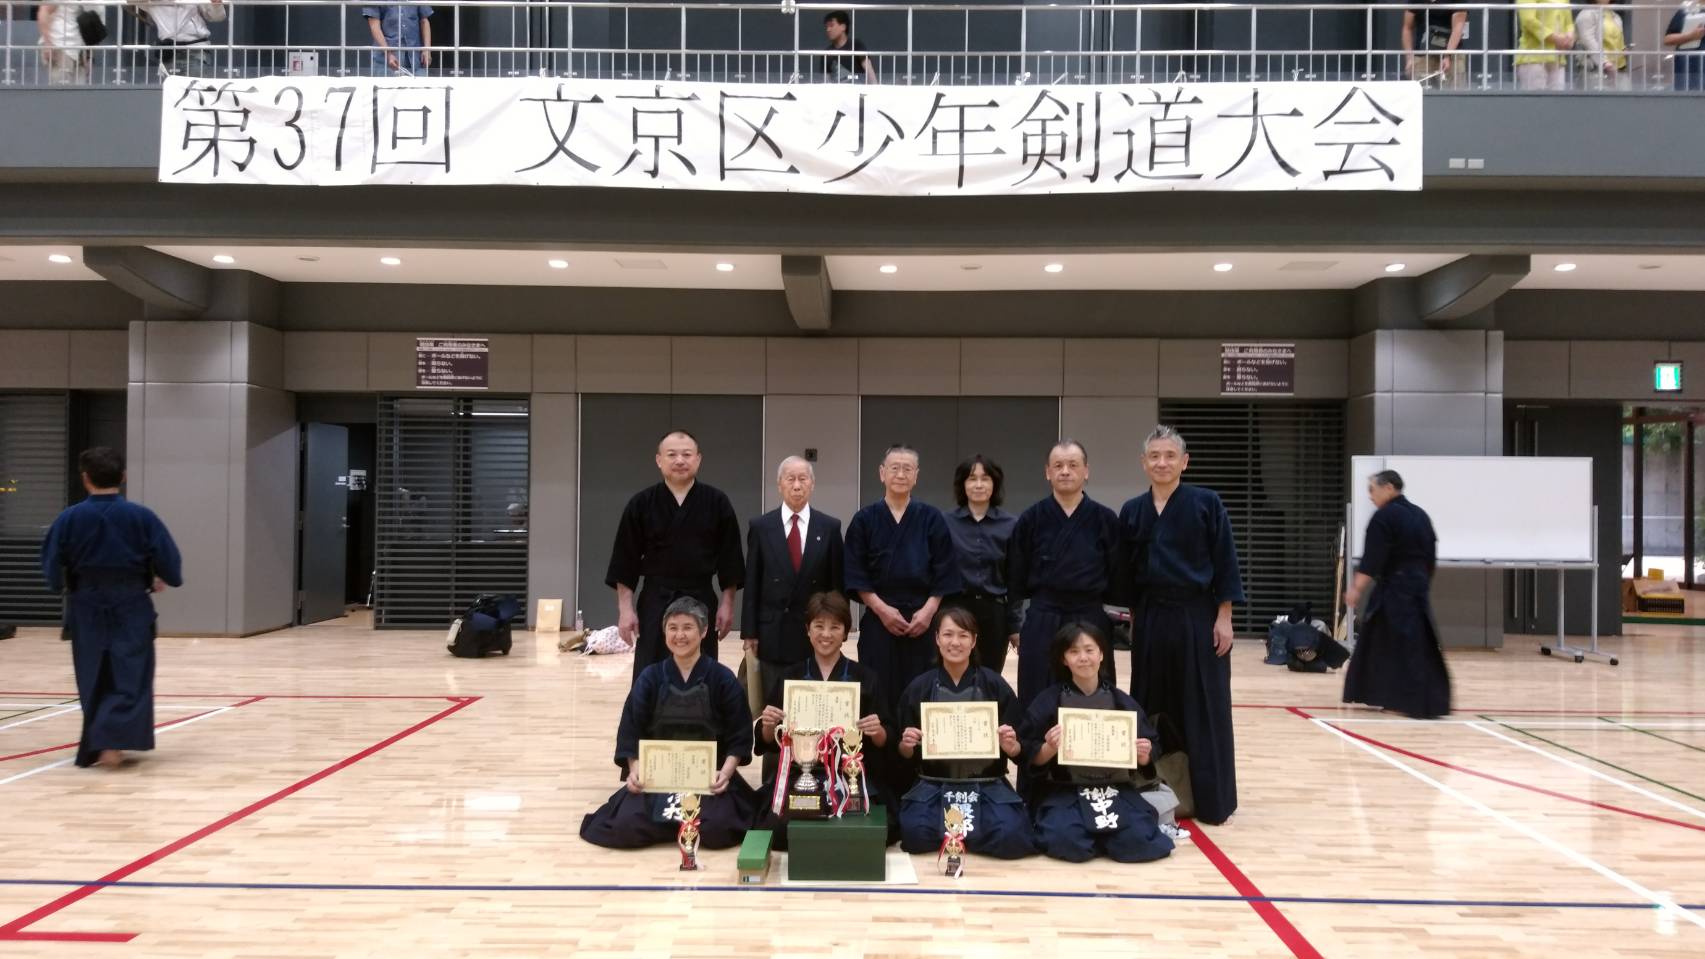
67	32
851	65
1683	34
1442	31
403	34
182	31
1547	34
1603	64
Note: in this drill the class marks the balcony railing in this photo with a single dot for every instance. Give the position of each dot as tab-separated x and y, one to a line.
906	44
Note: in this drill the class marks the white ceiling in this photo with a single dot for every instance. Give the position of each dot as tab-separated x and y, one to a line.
493	267
31	263
1617	273
1126	271
1296	270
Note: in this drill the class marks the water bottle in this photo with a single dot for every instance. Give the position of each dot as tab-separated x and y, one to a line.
579	623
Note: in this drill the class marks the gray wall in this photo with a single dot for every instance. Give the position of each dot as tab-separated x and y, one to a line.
1434	393
212	443
1600	370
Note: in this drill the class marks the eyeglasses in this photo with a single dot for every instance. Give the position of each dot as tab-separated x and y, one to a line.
903	469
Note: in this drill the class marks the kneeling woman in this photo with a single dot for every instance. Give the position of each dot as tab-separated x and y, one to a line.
1085	811
685	697
995	820
828	618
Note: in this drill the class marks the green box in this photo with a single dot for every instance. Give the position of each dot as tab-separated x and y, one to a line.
754	862
849	849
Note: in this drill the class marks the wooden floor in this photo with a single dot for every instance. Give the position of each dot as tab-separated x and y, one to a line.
331	791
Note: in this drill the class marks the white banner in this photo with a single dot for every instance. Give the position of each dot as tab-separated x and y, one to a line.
829	138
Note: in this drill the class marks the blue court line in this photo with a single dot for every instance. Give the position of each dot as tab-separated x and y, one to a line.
861	889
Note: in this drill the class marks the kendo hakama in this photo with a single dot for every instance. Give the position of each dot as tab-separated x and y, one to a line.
665	550
1397	663
996	821
1183	566
105	553
905	563
1064	565
709	704
879	762
1082	812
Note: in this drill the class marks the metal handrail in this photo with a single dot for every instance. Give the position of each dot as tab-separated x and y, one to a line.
1064	43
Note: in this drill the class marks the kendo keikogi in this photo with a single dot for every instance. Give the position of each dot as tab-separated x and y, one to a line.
108	555
1084	811
707	705
1183	567
666	549
996	821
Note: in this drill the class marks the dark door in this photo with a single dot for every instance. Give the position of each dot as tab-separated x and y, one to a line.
323	553
1530	598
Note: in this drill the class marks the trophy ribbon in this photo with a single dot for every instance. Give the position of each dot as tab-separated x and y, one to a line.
829	753
783	773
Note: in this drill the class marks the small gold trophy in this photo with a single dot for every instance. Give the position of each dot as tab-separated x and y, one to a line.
852	765
953	846
688	838
805	797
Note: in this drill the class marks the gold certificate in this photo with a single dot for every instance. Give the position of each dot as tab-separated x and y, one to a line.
1098	737
961	730
677	765
819	707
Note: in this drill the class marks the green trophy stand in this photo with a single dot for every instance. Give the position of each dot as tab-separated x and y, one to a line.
849	849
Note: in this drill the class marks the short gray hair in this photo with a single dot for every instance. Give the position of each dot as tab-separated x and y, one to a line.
1164	432
688	606
1389	478
795	459
903	450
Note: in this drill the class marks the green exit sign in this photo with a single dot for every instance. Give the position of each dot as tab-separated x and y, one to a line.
1666	377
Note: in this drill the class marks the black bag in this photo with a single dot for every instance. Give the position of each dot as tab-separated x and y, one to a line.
485	628
90	26
7	631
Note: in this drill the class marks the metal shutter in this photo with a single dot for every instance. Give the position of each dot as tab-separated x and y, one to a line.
1279	467
33	458
452	505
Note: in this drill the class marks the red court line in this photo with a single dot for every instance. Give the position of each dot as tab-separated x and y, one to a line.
15	692
1500	780
168	723
1475	710
1276	921
15	928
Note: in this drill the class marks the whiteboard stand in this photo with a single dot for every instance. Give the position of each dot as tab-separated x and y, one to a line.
1578	654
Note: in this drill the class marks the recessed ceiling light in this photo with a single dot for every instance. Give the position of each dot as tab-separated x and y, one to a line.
889	268
970	266
224	259
558	264
390	261
58	258
1054	268
1396	267
309	259
1222	267
1651	266
1564	268
725	268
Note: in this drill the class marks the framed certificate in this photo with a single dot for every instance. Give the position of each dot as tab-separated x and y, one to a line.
1098	737
677	765
819	706
961	730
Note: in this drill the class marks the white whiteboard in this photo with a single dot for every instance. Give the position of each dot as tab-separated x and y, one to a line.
1491	508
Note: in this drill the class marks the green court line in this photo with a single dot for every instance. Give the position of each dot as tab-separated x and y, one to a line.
1590	756
1697	749
35	710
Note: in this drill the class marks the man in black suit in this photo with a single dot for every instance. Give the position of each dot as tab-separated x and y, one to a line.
791	553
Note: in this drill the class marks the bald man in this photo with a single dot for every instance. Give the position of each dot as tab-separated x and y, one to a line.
791	553
675	536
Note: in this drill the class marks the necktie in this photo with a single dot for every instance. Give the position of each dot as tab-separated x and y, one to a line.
793	551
